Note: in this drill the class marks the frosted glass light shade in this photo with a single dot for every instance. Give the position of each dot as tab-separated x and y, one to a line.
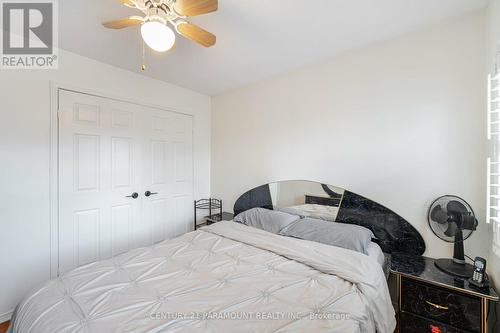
158	36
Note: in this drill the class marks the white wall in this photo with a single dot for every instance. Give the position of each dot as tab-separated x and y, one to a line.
401	122
24	157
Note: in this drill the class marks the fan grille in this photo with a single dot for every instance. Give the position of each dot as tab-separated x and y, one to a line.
446	230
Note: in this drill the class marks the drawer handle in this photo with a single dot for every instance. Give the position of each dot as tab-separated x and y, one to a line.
437	306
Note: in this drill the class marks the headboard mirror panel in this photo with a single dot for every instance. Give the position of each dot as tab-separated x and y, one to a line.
335	204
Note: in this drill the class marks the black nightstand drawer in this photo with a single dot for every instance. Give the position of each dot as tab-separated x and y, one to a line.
442	305
411	323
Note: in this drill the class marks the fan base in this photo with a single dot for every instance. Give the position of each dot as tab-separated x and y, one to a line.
450	267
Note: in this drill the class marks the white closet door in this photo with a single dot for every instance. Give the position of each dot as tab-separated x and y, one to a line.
109	150
168	173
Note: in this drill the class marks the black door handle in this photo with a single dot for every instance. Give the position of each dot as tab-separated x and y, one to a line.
134	195
149	193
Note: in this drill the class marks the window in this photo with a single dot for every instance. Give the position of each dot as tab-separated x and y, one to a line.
493	162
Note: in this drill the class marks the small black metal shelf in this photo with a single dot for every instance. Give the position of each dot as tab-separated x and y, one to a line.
212	205
217	218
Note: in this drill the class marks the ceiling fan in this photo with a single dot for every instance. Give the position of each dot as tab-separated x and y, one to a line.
159	14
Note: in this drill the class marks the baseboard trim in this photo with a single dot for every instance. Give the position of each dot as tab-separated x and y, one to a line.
6	316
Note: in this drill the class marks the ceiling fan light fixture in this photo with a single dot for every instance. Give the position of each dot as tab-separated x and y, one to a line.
159	16
158	36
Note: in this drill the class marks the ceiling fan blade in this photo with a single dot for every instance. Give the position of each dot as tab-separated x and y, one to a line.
124	23
195	7
127	3
196	34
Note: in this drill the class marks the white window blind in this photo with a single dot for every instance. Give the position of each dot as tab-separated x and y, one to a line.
493	162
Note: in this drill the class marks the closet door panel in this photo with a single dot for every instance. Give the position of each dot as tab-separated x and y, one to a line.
109	150
98	144
164	167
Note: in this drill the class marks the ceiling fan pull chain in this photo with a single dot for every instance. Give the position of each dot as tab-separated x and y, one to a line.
143	66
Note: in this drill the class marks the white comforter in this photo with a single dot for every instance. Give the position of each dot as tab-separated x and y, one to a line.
223	278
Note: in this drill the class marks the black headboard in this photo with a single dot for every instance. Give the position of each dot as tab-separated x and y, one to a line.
259	197
393	233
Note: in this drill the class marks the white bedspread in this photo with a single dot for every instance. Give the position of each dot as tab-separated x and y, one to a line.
224	278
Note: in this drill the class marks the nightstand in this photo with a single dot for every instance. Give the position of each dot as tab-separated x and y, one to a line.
216	218
429	300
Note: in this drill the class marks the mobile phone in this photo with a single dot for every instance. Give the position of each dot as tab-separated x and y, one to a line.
478	278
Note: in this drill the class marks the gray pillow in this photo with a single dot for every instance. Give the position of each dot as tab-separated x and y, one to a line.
291	211
265	219
348	236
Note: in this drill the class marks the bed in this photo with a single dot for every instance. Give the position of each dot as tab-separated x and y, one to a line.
225	277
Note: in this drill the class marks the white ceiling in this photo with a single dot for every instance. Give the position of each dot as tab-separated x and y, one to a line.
255	38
